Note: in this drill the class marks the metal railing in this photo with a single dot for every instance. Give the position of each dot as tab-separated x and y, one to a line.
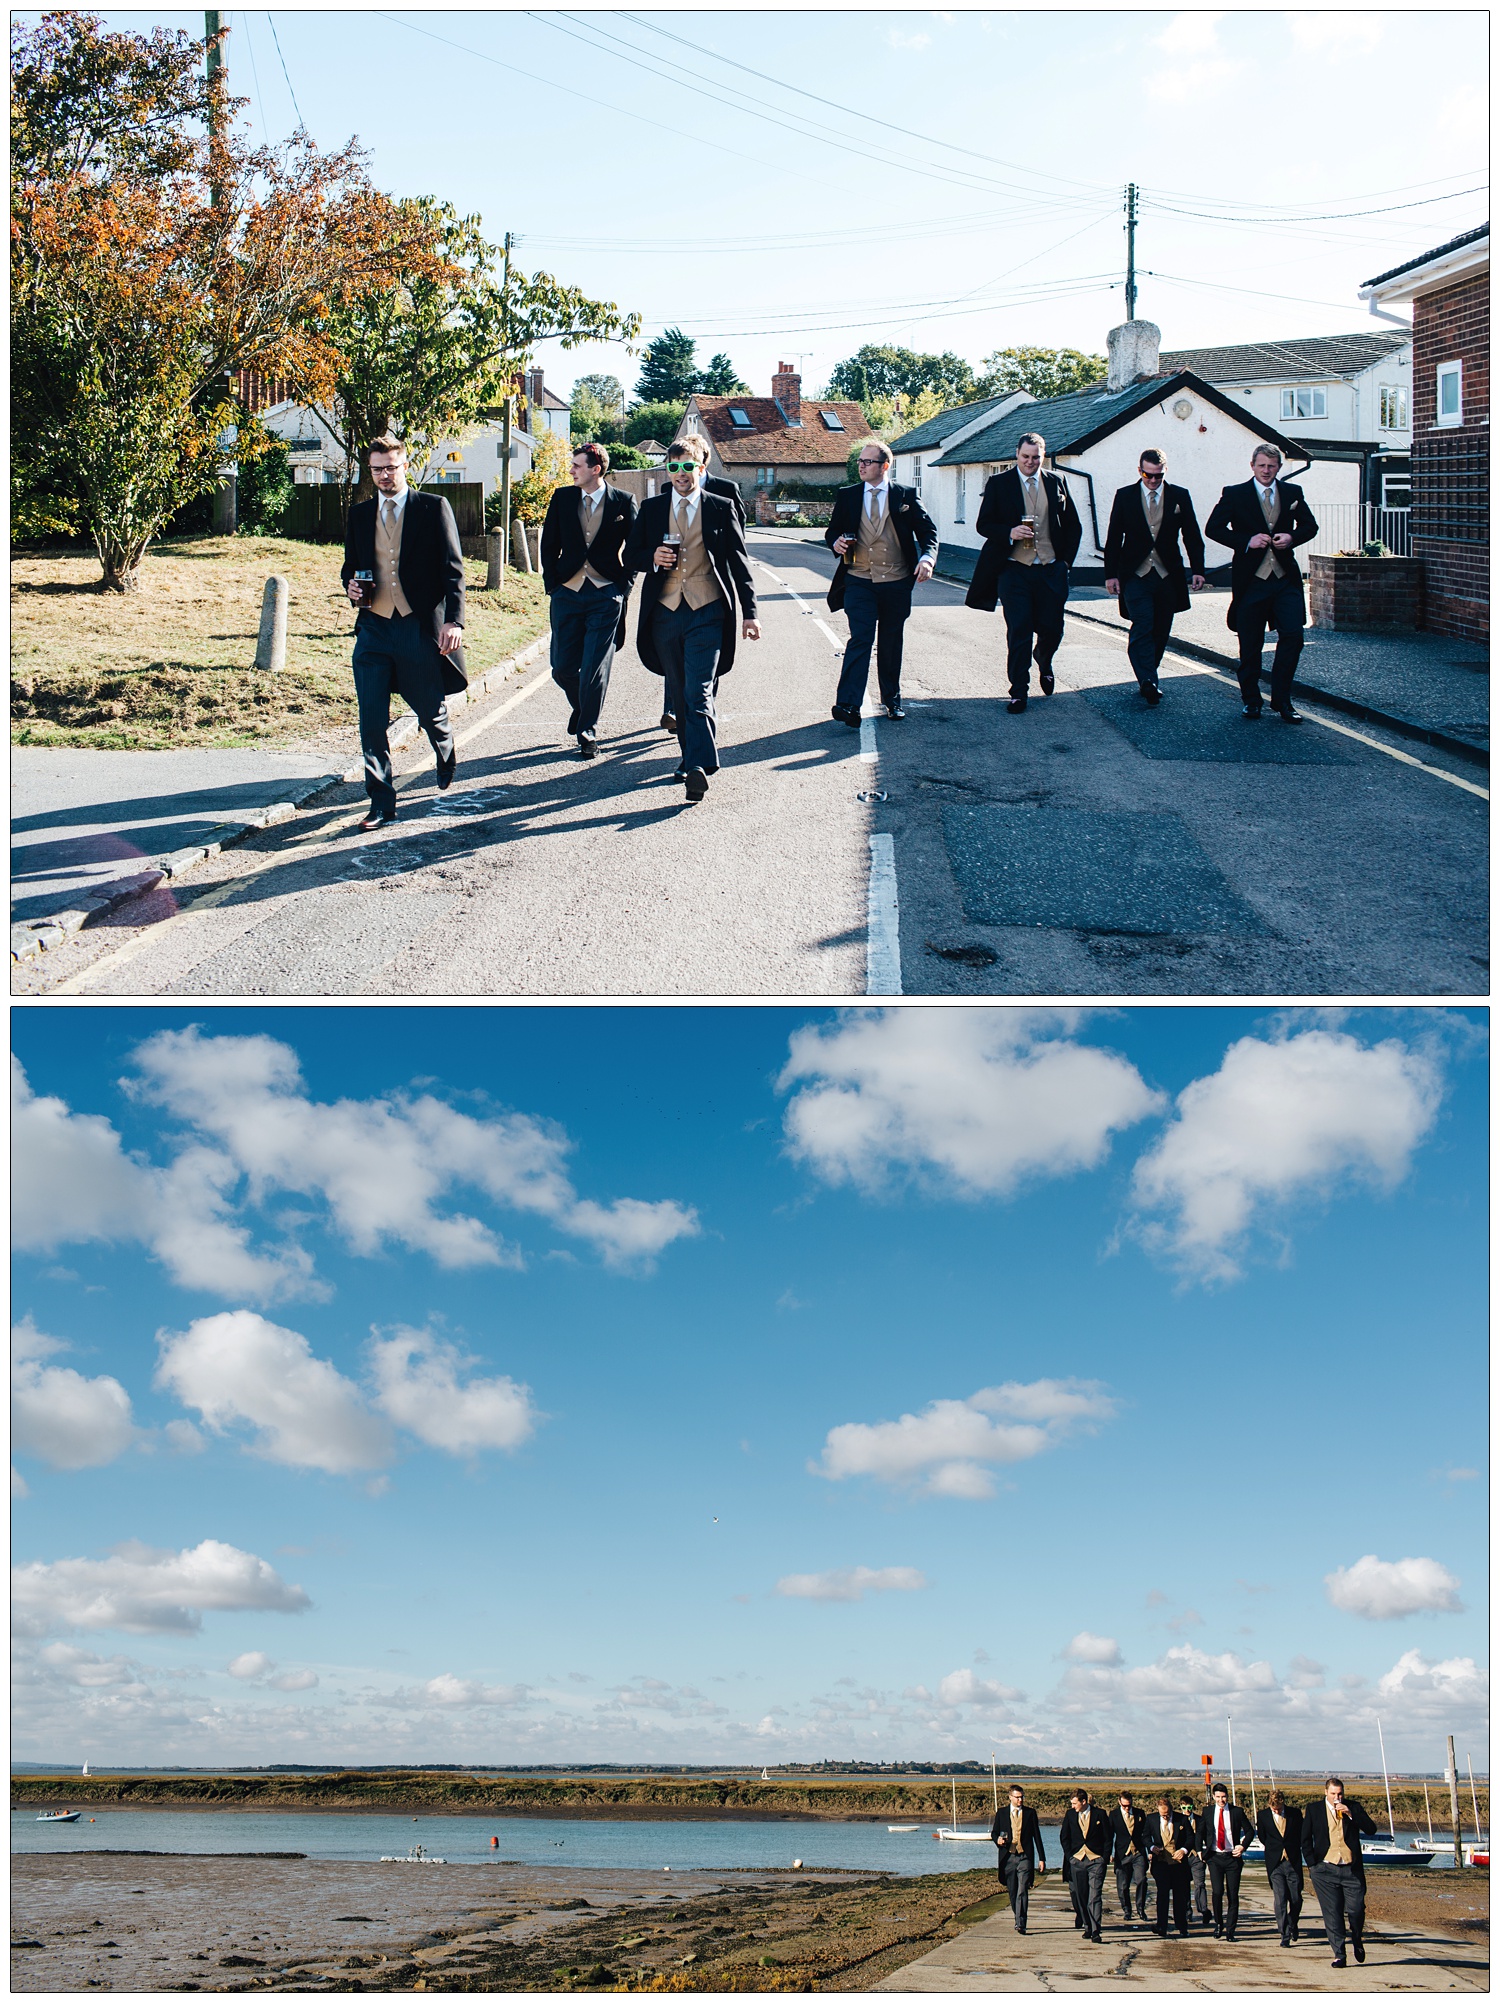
1344	525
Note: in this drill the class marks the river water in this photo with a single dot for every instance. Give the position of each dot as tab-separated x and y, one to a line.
634	1846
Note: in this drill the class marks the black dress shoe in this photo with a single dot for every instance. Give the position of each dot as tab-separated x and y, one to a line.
697	783
1359	1949
1047	680
446	767
1218	1933
587	748
1020	1929
1152	694
1338	1962
668	721
843	715
1186	1932
895	712
1295	1936
1252	711
1290	715
1016	704
373	820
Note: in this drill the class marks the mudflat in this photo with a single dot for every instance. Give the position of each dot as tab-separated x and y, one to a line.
110	1920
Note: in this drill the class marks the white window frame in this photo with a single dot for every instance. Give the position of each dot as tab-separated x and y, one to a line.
1314	395
1453	371
916	476
960	492
1397	395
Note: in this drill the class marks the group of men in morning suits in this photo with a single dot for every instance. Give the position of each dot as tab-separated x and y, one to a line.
698	596
1187	1854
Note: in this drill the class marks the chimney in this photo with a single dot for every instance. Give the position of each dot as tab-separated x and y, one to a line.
1134	353
786	388
533	387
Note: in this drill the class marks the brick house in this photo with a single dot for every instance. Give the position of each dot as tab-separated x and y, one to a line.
762	441
1448	291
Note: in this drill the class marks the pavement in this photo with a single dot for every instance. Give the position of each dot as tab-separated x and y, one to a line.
1052	1956
1088	847
1429	688
92	829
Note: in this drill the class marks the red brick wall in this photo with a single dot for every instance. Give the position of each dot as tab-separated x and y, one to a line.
1450	464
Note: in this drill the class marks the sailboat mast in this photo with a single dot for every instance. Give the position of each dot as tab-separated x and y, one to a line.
1427	1803
1390	1812
1251	1764
1229	1722
1478	1825
954	1783
994	1783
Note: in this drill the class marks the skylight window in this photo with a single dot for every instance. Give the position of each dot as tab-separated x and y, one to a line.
740	418
832	419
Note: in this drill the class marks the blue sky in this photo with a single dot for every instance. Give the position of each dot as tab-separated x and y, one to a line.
774	226
693	1384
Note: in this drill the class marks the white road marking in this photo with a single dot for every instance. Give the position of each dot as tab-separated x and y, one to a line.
76	983
882	921
828	632
868	749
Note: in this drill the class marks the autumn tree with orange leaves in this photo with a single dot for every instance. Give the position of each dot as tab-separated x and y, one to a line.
153	254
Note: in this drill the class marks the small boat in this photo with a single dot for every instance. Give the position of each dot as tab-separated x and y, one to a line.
903	1829
416	1855
955	1834
60	1815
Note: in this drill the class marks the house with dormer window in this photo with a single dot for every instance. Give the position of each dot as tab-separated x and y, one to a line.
761	442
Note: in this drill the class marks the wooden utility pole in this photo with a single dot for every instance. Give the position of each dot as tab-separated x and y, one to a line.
1458	1832
1131	198
505	421
215	27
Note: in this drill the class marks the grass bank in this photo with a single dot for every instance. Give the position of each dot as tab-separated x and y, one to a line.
732	1797
173	664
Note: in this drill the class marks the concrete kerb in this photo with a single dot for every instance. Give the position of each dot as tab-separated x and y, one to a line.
1402	726
39	935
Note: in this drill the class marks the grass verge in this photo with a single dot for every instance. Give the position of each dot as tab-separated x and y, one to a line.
173	664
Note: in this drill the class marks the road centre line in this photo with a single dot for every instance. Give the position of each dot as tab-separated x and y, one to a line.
220	894
882	920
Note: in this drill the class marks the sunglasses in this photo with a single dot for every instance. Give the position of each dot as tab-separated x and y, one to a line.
682	465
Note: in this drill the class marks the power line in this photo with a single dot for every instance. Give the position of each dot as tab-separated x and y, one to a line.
621	50
301	121
1251	292
1333	216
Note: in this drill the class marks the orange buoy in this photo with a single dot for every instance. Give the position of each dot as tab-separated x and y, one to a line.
494	1842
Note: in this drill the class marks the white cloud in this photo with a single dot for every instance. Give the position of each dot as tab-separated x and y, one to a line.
240	1369
962	1686
850	1583
257	1667
948	1448
1378	1589
1347	34
907	44
1458	1682
1191	66
1296	1119
382	1165
148	1592
1086	1647
60	1416
18	1489
974	1100
77	1184
417	1386
449	1692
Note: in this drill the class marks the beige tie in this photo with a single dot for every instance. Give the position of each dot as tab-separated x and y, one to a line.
877	509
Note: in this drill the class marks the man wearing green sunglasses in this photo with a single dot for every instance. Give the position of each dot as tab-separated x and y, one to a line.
692	551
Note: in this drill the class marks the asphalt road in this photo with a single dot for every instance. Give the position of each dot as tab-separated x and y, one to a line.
1087	847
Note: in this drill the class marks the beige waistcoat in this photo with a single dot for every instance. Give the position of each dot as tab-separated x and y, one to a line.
589	519
389	597
1270	565
880	558
1041	551
1153	506
692	577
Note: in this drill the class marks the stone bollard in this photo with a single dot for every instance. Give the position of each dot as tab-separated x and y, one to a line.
494	576
521	543
270	648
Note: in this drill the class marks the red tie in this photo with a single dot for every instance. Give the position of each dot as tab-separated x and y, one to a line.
1223	1840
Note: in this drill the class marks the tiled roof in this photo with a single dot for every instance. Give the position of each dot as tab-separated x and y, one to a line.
771	441
547	401
1274	361
936	429
1430	256
1068	423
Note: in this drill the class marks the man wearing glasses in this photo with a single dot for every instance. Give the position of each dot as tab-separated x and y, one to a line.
692	550
885	541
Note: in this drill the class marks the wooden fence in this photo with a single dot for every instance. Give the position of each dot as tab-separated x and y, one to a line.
316	514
